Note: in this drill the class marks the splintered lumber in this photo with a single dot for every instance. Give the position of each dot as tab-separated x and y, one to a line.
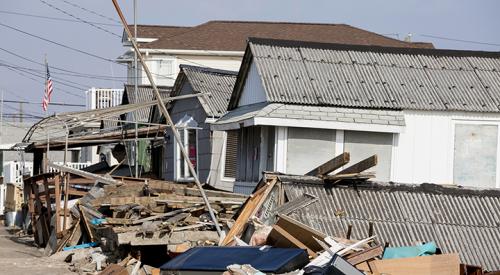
251	206
303	233
365	255
362	175
163	109
360	166
84	174
282	233
443	264
331	165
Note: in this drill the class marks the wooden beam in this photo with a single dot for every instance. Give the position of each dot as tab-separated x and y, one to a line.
84	174
296	242
58	201
360	166
331	165
365	255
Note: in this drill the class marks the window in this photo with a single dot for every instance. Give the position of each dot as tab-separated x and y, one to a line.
188	132
307	148
475	155
365	144
231	154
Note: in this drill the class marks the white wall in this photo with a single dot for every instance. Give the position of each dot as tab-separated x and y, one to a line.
166	76
424	151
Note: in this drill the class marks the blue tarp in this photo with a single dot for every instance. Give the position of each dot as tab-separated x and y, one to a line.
409	251
274	260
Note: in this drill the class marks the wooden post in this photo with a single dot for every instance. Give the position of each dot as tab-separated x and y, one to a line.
66	188
47	197
57	183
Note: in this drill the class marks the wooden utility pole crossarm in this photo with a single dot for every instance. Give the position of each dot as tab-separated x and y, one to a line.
165	113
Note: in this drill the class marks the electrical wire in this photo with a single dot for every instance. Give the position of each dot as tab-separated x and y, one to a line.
36	80
459	40
80	19
91	11
55	18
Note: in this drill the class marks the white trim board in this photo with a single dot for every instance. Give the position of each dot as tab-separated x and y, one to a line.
320	124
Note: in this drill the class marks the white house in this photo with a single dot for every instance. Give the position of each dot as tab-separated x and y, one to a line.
430	115
221	44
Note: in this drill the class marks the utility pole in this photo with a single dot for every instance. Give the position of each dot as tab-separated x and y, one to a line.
1	119
136	78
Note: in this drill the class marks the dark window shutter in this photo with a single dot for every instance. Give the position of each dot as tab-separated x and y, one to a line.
231	154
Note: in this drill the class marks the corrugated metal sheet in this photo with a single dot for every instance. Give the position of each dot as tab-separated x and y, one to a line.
457	220
308	74
219	83
144	94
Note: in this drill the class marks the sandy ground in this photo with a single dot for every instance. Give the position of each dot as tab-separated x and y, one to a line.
18	255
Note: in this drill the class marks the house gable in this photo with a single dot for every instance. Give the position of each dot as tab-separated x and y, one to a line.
253	89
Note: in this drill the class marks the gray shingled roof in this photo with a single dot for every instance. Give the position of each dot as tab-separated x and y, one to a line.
461	220
217	84
304	113
374	77
144	94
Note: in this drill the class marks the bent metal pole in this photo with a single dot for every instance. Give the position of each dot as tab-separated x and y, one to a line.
165	113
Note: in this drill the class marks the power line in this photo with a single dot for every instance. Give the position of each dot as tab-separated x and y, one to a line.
51	103
91	11
459	40
80	19
82	51
55	79
59	44
55	18
36	80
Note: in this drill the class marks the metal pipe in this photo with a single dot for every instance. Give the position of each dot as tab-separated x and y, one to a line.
164	111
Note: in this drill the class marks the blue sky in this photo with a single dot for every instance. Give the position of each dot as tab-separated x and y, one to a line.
458	19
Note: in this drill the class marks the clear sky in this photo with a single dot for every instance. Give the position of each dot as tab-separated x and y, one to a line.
21	79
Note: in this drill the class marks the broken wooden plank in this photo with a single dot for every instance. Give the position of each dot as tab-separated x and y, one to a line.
300	231
331	165
250	208
365	255
296	204
360	166
280	233
84	174
435	264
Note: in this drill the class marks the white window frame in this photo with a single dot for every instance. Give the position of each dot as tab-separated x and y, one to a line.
223	161
178	155
184	125
454	122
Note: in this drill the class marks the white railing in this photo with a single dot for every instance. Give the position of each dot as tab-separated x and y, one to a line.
103	98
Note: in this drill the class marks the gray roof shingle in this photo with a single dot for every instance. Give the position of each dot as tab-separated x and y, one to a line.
321	74
459	220
145	93
216	84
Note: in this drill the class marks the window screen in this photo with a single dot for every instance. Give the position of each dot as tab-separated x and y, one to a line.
475	155
308	148
365	144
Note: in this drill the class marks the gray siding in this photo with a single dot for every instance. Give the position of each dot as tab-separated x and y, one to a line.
193	108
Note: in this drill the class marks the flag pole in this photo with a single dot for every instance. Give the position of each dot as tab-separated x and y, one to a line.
46	115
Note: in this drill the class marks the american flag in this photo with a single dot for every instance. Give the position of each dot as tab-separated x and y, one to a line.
48	90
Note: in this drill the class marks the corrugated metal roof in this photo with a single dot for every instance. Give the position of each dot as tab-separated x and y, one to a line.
217	84
308	73
465	221
145	93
